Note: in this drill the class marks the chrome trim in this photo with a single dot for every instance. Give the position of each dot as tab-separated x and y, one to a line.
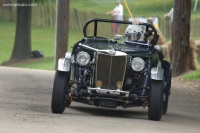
64	64
158	48
107	91
94	69
157	73
118	53
72	77
68	55
159	64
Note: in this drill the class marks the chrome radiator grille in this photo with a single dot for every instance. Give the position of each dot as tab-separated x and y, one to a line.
110	71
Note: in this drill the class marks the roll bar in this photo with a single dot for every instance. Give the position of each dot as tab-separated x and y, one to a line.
96	21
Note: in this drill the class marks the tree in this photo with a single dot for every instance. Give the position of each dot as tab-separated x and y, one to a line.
62	26
181	37
22	44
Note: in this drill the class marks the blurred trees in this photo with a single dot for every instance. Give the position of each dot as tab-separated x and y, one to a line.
22	44
181	37
62	26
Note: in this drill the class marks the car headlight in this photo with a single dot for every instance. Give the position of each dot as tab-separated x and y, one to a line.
137	64
83	58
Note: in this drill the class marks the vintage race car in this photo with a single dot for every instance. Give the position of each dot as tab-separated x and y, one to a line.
125	71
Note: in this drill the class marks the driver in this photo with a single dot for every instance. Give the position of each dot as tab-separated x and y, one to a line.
134	33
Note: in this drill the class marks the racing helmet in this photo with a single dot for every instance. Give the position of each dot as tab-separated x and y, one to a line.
134	33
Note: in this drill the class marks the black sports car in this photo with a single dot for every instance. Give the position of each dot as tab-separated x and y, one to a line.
126	72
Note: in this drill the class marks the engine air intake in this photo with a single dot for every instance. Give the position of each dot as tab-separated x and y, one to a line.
110	71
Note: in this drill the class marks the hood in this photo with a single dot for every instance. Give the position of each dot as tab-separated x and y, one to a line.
126	47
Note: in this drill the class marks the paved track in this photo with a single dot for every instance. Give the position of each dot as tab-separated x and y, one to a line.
25	97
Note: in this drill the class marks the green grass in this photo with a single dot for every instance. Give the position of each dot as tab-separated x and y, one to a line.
7	35
46	63
193	75
42	39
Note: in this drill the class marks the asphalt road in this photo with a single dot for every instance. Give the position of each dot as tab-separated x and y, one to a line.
25	97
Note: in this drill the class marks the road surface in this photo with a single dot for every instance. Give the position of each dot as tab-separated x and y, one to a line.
25	98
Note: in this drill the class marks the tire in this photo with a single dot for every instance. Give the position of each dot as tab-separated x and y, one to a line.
165	103
156	100
166	98
61	82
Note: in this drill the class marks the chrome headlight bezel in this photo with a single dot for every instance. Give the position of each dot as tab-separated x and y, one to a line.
137	64
83	58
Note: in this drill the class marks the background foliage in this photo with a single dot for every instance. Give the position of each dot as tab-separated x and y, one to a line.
43	24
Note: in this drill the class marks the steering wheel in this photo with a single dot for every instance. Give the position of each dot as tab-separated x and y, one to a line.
150	30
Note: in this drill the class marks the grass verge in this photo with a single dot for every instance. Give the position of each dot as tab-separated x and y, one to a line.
42	39
46	63
193	75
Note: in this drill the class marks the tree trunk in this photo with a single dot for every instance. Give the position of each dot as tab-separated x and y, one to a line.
22	45
181	37
62	26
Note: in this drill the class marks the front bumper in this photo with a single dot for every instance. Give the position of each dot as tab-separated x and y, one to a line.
108	98
108	92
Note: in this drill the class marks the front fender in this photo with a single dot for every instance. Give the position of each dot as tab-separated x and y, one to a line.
157	73
64	63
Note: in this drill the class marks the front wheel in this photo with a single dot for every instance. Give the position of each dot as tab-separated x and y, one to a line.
156	100
167	93
61	84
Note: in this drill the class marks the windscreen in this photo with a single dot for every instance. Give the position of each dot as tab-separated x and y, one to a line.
107	30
